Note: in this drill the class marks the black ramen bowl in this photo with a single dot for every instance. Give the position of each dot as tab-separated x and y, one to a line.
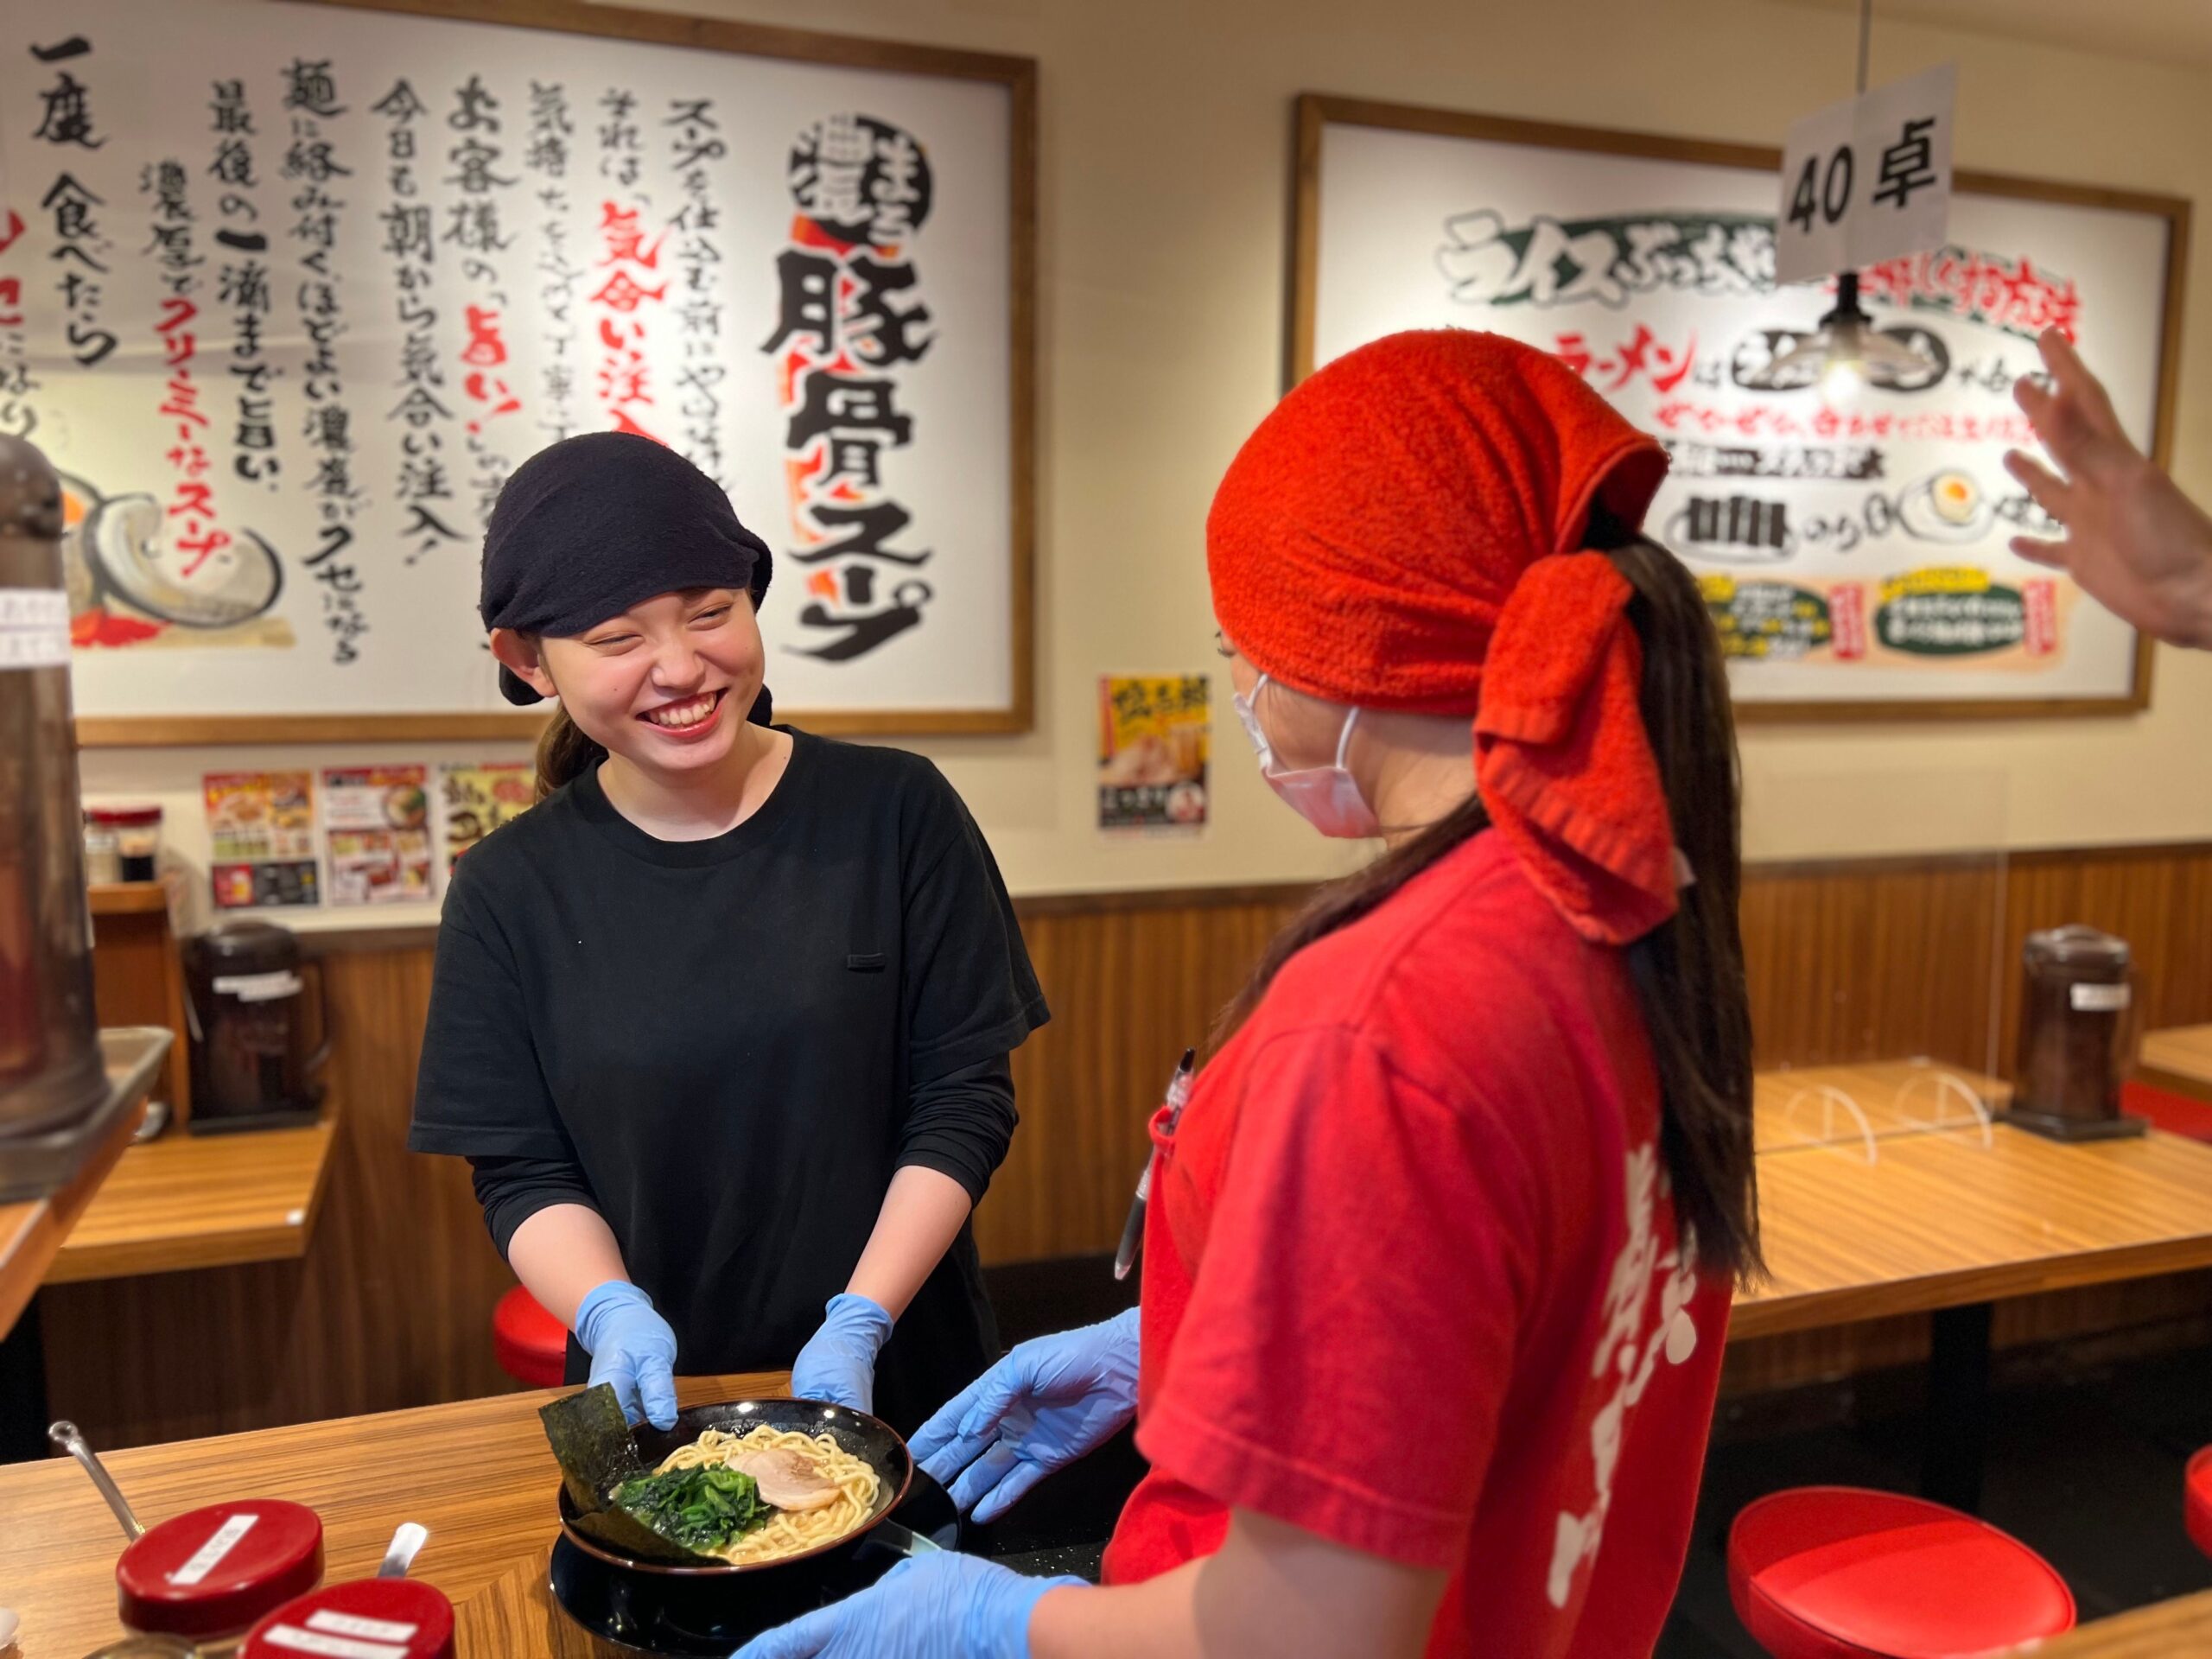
870	1438
650	1608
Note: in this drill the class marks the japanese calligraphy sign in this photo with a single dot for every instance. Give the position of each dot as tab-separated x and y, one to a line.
1867	180
1852	549
287	291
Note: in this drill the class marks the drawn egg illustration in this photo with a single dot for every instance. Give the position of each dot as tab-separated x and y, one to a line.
1945	506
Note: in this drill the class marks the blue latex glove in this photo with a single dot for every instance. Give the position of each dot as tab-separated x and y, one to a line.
838	1362
1042	1407
943	1606
630	1347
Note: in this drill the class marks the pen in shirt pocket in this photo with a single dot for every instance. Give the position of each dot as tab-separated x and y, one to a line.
1179	1094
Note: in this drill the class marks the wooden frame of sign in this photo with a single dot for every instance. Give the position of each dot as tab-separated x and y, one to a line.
1316	111
1018	76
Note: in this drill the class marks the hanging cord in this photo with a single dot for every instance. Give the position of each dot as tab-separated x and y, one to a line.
1865	38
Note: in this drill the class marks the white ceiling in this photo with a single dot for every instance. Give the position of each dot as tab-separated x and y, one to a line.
2167	31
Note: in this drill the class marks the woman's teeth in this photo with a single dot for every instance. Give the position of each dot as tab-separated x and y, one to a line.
684	714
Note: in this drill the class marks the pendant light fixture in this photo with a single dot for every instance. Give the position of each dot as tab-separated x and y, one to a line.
1846	354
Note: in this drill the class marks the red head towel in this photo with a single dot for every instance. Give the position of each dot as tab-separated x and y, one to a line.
1401	532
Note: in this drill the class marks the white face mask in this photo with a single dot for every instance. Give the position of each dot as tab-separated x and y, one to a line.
1327	798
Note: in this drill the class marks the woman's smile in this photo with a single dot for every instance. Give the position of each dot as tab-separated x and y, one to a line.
694	717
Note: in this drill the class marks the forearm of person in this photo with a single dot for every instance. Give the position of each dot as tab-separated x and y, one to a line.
922	1214
1271	1589
561	1253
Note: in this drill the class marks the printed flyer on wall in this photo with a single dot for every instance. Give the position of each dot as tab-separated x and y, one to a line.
261	836
1152	739
480	798
377	831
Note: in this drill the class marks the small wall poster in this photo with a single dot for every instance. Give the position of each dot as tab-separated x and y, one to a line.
1155	733
376	832
480	798
261	834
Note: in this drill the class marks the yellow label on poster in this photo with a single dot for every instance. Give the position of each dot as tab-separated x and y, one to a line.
1155	737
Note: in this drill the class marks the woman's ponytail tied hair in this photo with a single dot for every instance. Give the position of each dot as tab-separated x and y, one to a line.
564	753
1689	970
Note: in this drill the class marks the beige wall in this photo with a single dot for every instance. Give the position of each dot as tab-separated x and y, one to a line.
1166	136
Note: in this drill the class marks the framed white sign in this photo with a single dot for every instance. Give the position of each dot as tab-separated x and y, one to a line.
1852	550
287	289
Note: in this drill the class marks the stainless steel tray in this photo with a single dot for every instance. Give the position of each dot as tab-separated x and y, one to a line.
32	1166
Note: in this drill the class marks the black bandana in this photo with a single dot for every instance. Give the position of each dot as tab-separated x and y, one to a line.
595	523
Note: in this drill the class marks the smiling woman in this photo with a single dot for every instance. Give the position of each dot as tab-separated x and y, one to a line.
723	1024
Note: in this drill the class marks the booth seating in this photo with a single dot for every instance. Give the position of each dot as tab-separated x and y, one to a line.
1843	1573
531	1345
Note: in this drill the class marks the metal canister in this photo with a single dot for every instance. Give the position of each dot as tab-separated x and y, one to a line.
50	1071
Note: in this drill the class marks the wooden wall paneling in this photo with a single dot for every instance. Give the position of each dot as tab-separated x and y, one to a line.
1852	963
137	979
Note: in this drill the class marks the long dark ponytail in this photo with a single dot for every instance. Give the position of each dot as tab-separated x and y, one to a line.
1688	973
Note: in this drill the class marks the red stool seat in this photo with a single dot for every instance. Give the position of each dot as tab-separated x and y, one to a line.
2196	1500
531	1345
1840	1572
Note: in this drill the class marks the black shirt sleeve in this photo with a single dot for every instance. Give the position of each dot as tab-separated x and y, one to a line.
478	1091
960	1125
512	1190
971	995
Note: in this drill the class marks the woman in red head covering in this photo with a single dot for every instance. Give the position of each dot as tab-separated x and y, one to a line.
1438	1260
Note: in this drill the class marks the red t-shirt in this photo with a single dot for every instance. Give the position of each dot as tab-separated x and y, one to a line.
1411	1281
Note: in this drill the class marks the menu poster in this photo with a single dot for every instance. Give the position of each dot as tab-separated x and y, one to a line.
288	291
376	832
261	836
1850	531
1154	737
479	798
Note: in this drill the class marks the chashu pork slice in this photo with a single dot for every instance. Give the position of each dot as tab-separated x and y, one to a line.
787	1479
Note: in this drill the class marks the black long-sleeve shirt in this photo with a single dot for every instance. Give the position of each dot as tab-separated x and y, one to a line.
726	1047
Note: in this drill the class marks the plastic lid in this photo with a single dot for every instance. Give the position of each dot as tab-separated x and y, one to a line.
123	815
251	947
2076	944
213	1571
368	1618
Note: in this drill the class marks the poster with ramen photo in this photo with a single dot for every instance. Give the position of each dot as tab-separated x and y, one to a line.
1849	523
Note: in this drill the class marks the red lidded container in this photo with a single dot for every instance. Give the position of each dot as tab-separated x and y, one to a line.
214	1572
367	1618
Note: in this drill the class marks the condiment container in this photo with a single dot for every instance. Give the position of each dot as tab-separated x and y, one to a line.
137	831
389	1618
102	856
2076	1026
212	1573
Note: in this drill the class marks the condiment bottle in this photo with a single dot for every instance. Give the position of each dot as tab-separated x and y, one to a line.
398	1618
212	1573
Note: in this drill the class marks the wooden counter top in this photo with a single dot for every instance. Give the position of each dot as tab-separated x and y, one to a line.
33	1232
2162	1630
1939	1220
202	1201
2179	1061
478	1474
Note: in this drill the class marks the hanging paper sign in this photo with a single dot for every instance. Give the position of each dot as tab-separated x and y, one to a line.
1867	180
